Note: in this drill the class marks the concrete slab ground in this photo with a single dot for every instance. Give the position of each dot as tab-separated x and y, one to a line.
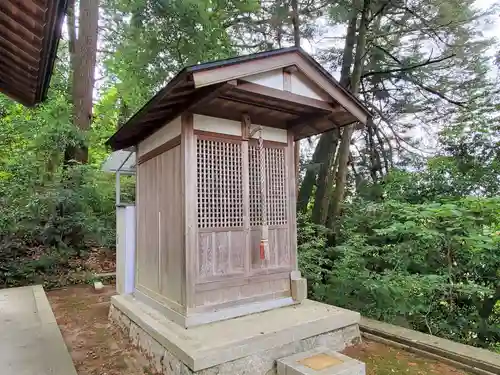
244	345
30	340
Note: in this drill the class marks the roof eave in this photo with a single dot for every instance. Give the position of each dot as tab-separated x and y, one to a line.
358	109
32	90
112	141
55	33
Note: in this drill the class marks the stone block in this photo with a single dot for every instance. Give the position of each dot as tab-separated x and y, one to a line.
351	335
319	361
299	289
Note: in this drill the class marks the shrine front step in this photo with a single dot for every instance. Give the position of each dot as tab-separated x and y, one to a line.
320	361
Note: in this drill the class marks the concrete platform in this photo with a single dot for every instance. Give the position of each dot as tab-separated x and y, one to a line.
244	345
30	340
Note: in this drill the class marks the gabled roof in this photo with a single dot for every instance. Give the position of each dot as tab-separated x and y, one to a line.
29	35
204	88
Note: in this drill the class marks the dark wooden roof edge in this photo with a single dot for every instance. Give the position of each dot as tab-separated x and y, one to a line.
182	75
32	87
240	59
186	73
53	36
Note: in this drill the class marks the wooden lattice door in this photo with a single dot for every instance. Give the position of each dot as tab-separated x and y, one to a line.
276	206
222	246
221	237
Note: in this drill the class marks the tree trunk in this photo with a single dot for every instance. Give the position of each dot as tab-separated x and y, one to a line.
295	22
347	56
375	166
485	312
340	181
387	158
69	152
71	25
321	199
309	180
328	141
83	71
375	162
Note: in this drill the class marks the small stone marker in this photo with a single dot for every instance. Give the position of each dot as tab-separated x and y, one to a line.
299	286
98	286
320	361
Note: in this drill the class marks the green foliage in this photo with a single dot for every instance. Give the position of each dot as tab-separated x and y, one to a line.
312	251
51	213
430	266
61	217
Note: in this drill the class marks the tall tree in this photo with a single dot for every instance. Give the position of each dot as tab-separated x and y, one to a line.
411	86
345	144
83	52
295	22
328	142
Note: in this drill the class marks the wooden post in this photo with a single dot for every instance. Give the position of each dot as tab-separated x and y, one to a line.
292	200
188	151
245	133
287	86
296	153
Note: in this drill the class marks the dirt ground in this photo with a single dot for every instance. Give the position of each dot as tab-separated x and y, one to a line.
96	347
99	349
381	359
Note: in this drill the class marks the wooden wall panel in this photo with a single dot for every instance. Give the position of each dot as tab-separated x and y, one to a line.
152	238
253	291
273	79
139	228
238	249
302	85
162	135
170	208
230	127
147	226
279	249
160	248
220	254
283	251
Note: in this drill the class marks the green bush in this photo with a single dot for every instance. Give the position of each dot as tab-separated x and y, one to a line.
44	223
312	251
433	267
52	211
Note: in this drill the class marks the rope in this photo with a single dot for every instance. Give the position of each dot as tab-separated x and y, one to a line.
264	244
264	234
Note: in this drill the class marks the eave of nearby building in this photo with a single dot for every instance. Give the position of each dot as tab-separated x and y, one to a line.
219	89
29	36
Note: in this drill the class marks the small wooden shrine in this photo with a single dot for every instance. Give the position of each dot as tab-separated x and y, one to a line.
215	198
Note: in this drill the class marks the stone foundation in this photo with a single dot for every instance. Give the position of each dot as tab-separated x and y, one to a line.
260	362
